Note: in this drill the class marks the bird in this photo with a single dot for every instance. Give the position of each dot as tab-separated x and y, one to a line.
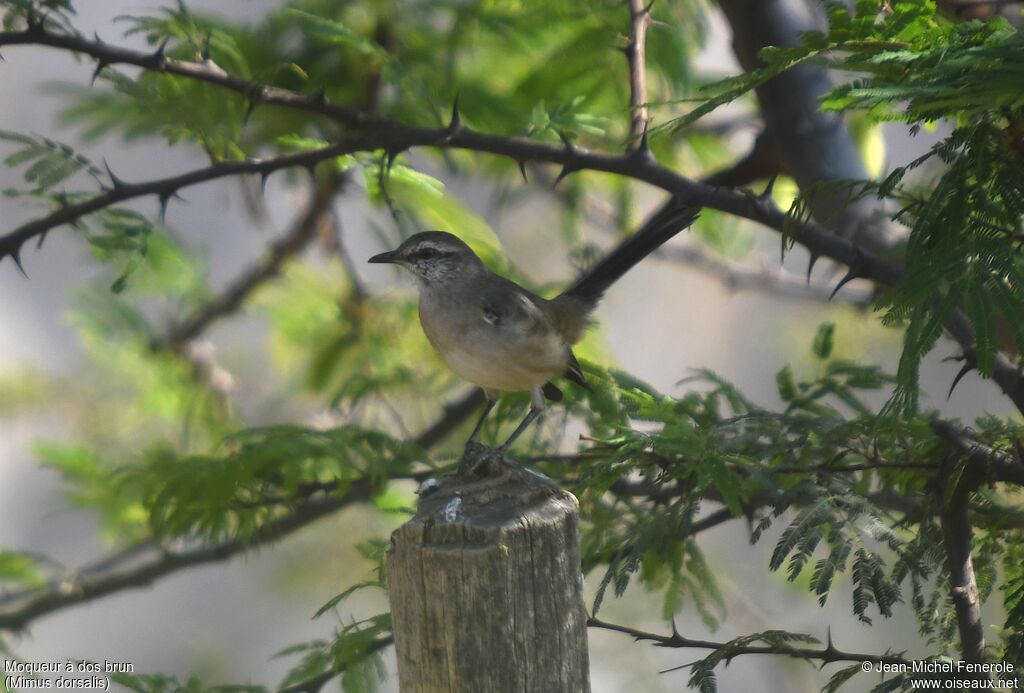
499	335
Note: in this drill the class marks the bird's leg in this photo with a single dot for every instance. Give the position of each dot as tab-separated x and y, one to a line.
530	416
475	453
491	400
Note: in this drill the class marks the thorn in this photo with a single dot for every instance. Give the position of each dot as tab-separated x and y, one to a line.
647	10
32	22
16	256
389	158
852	273
675	631
642	148
847	278
264	175
455	124
810	266
100	66
117	182
566	170
158	56
570	153
96	35
205	53
165	199
522	169
41	239
767	194
311	169
828	639
964	370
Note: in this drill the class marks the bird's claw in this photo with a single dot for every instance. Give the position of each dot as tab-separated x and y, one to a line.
482	460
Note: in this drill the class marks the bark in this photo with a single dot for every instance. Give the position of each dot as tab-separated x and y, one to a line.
486	589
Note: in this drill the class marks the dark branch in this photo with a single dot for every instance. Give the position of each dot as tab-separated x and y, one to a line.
207	71
165	188
988	463
825	655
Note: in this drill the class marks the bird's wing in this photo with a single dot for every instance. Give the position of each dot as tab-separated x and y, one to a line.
510	308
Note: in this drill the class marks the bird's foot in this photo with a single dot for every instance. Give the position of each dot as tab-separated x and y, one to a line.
481	461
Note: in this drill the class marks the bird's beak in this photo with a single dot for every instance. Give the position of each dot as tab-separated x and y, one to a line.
384	257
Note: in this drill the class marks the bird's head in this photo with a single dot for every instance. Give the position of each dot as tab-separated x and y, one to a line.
434	257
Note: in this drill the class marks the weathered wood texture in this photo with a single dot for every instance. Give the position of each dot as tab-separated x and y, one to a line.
486	589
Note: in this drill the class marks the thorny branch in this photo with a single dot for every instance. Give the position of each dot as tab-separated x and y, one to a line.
825	655
164	189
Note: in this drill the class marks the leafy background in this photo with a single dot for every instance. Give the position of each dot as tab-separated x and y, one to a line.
224	622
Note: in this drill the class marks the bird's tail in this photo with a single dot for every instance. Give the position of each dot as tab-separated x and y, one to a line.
672	218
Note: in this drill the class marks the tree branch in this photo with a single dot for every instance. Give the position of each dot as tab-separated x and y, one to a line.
826	654
987	462
636	49
165	189
957	484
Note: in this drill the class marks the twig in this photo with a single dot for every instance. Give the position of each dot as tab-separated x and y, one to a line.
165	189
826	654
636	49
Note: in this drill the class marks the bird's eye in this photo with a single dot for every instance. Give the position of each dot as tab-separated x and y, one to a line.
427	253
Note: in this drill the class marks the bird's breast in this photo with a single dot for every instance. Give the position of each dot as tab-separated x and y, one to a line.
496	357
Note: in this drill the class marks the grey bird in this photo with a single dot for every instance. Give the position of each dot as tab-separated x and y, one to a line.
502	337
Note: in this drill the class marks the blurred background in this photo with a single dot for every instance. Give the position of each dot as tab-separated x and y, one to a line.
226	621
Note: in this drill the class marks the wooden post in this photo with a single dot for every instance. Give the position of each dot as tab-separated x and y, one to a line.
486	589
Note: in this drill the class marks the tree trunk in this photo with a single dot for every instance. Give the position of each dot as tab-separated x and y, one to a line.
486	589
